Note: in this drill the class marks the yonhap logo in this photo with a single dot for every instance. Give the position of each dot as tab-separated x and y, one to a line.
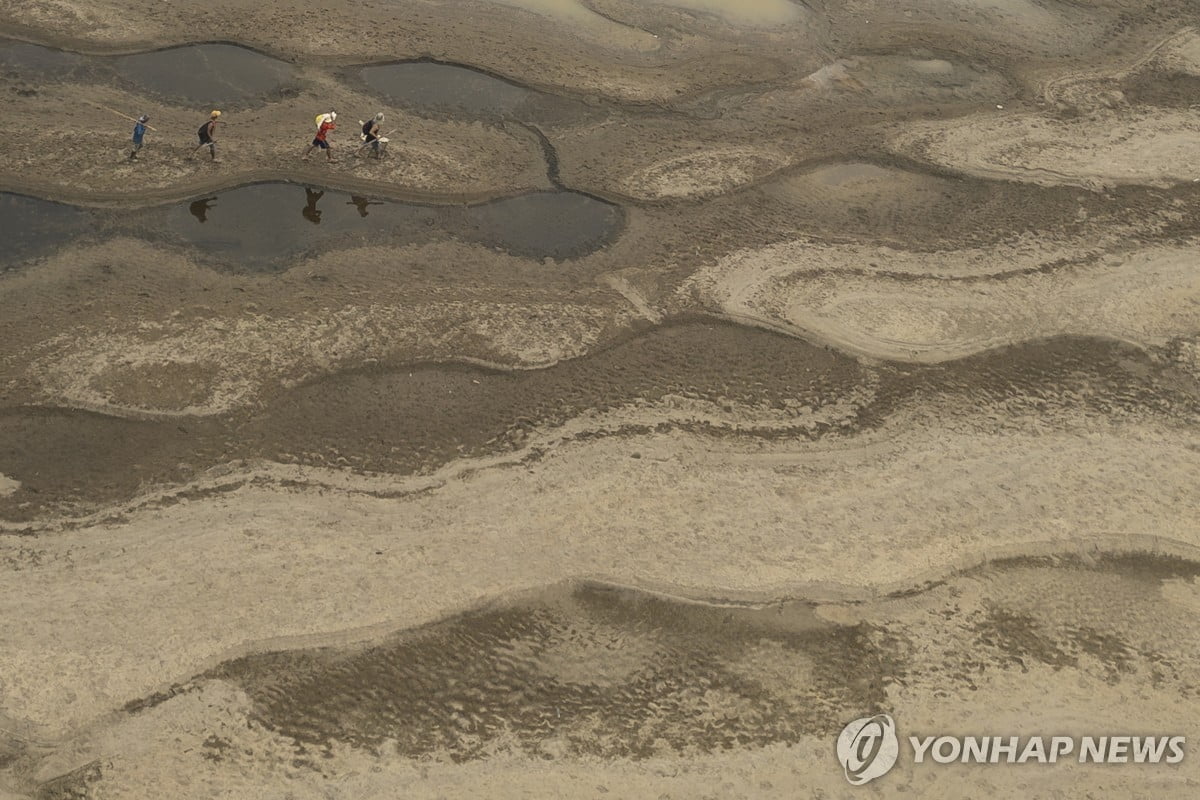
868	748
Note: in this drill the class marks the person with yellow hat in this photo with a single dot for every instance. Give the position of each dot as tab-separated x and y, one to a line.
325	124
208	134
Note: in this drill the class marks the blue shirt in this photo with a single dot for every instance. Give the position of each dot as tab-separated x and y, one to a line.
139	131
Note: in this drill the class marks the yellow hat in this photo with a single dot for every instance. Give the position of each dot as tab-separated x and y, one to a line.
215	114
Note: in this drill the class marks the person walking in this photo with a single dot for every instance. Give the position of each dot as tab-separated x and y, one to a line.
328	123
371	136
208	134
139	134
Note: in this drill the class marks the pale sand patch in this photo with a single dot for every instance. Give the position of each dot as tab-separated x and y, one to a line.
743	12
1148	296
133	605
586	21
98	23
833	75
750	13
703	173
1025	12
1183	592
8	485
1157	147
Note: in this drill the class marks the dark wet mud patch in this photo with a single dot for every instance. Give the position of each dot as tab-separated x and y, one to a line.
31	227
431	87
593	670
217	75
1043	379
576	671
264	226
415	419
1164	89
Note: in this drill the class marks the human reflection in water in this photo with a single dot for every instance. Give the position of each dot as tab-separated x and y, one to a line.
200	208
310	211
361	204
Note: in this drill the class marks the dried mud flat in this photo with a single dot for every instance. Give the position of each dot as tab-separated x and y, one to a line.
694	378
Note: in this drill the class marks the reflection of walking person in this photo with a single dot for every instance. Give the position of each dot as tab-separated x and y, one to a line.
208	134
321	140
139	133
199	208
361	204
310	212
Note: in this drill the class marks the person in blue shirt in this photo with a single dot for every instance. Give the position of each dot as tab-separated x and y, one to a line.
139	133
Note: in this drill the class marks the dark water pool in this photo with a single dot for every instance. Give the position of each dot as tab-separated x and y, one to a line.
21	60
424	86
211	74
263	226
259	226
203	74
30	227
224	75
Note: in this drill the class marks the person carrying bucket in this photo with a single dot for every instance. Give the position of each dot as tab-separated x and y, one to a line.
372	138
325	124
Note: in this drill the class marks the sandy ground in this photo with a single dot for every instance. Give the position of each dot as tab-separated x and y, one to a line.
909	305
265	562
320	530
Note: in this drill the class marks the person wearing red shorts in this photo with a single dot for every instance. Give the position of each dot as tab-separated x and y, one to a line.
321	141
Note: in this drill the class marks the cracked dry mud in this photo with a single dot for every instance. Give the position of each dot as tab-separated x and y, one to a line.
693	378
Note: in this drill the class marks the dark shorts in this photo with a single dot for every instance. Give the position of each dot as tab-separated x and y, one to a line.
321	143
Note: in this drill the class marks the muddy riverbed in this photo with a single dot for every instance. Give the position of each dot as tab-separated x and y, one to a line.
691	379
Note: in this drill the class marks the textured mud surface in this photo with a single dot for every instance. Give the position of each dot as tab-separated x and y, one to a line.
732	381
692	378
600	671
